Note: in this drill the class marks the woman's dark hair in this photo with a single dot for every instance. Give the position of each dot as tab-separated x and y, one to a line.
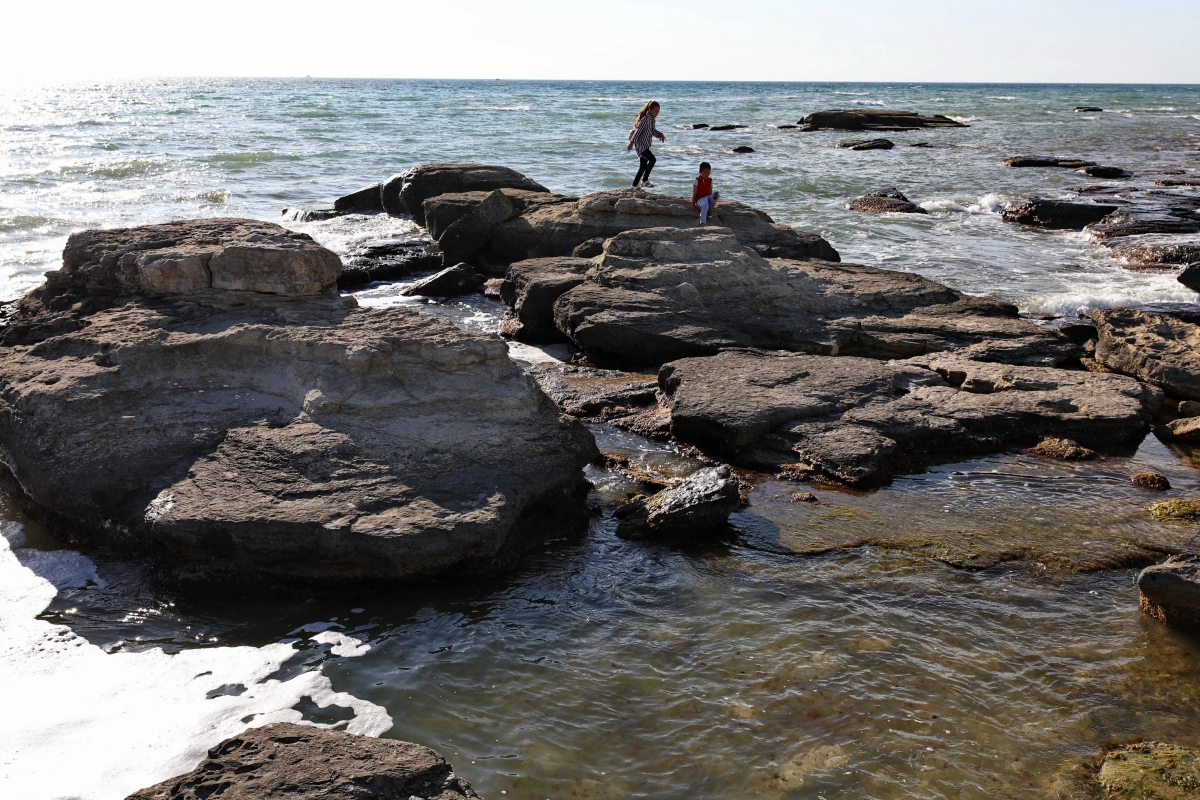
705	165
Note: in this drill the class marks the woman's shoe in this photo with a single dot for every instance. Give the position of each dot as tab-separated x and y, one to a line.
647	185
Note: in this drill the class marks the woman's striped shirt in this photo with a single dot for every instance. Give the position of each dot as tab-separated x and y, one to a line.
643	134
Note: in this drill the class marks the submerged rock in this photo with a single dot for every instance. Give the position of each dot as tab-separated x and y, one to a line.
1177	510
860	420
886	201
302	762
1160	349
238	433
661	294
1080	109
450	282
388	261
698	504
1154	481
1143	221
866	144
1170	592
876	120
1159	253
1064	449
743	149
727	127
1150	771
1055	214
1047	161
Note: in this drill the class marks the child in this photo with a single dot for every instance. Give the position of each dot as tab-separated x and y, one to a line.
640	137
703	197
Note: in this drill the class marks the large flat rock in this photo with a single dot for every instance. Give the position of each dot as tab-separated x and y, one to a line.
556	229
1161	349
660	294
284	761
860	420
239	434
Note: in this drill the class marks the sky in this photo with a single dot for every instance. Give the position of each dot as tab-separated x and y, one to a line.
1016	41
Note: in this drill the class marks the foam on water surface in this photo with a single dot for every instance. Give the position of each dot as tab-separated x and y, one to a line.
82	723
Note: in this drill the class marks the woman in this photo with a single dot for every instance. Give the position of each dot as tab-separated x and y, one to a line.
641	138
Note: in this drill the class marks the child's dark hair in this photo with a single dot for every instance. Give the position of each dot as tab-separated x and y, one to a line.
705	165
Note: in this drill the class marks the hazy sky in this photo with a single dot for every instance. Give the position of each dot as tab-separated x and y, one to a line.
788	40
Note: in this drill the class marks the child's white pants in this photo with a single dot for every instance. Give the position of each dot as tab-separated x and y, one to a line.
706	204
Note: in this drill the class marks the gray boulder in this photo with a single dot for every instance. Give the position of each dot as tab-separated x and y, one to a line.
860	420
470	233
665	293
875	120
284	761
556	229
886	201
530	289
1055	214
407	192
595	393
195	257
368	199
240	434
450	282
1170	592
1160	349
698	504
866	144
445	209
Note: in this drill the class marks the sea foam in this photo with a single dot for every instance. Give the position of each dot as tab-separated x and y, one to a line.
83	724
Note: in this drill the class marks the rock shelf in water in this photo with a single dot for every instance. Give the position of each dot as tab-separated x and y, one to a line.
660	294
875	120
241	433
301	762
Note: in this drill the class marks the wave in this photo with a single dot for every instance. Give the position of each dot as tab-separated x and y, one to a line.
28	222
879	103
963	120
499	108
990	203
250	159
1003	97
115	170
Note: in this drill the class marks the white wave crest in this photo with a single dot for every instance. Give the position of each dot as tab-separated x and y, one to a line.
126	720
990	203
1002	97
963	120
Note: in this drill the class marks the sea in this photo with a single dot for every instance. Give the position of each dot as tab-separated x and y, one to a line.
968	632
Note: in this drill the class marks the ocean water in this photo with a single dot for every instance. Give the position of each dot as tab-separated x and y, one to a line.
969	632
131	153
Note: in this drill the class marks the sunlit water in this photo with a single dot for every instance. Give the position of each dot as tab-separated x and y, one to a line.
968	632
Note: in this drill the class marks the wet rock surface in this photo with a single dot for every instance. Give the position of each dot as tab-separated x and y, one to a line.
1055	214
696	505
866	144
1099	171
302	762
1158	348
1190	277
369	198
595	393
242	434
859	420
886	201
1158	253
876	120
662	294
389	261
1170	592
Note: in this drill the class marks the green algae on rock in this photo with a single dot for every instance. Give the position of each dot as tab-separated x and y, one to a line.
1177	510
1150	771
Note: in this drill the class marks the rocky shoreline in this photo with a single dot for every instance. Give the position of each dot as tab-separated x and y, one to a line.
201	393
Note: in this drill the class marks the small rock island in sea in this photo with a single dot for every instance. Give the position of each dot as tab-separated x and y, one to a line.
200	393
